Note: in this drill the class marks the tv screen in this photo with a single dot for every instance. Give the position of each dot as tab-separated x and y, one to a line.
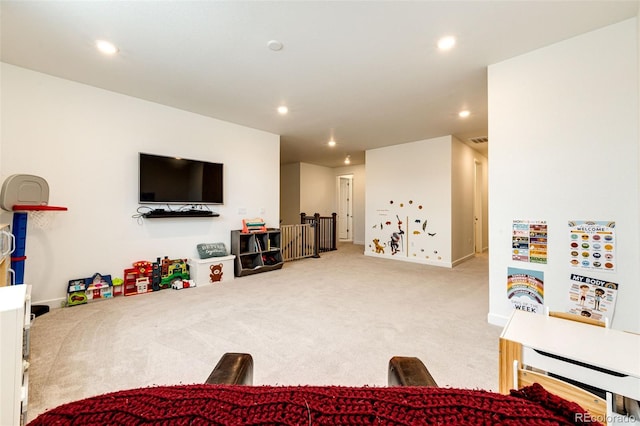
178	180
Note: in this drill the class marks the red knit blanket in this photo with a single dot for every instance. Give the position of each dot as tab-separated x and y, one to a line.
316	405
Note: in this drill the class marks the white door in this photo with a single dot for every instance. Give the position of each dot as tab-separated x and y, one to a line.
477	208
345	208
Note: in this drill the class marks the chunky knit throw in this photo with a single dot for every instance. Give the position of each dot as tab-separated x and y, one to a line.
315	405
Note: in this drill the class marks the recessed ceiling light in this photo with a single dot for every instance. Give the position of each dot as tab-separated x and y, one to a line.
446	43
464	113
106	47
274	45
331	143
347	160
282	110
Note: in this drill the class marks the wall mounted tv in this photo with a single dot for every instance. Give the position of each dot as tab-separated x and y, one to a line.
179	181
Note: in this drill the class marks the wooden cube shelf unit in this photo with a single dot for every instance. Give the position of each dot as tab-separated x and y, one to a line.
256	251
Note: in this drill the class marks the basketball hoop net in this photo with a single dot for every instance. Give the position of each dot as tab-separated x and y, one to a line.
40	216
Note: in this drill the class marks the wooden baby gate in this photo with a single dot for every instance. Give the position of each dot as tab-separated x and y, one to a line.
315	234
298	242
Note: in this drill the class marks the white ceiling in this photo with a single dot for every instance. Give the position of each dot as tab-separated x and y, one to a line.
366	73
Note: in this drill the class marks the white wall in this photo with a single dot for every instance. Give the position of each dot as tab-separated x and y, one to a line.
563	124
317	190
290	194
85	141
400	180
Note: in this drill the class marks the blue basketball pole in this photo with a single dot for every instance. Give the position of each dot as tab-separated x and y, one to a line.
18	256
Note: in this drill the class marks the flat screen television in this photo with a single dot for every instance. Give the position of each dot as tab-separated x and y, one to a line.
179	181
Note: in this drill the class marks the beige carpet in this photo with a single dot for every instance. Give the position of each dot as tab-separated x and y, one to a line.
334	320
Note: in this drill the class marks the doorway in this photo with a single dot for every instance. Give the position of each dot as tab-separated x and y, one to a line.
477	207
345	208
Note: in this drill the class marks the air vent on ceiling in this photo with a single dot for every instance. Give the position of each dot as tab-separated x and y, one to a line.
480	139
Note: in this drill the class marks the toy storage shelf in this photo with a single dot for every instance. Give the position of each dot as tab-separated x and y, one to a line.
256	251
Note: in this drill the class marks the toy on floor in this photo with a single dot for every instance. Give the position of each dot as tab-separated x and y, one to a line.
146	276
180	284
117	286
138	278
83	290
99	287
76	292
173	270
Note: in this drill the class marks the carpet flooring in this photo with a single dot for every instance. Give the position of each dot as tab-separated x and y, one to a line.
336	320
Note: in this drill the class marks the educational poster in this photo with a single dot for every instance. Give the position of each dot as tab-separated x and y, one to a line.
592	297
529	241
593	245
403	229
525	289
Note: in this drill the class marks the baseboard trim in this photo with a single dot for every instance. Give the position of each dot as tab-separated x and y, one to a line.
409	259
463	259
52	303
499	320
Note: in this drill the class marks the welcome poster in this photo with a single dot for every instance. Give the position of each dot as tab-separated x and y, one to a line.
593	245
525	289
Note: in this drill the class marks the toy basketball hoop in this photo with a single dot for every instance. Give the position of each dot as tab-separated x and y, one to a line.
29	194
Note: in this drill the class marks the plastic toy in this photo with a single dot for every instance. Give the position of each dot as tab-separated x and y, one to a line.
132	284
76	292
117	286
142	285
99	287
173	270
253	225
83	290
147	276
180	284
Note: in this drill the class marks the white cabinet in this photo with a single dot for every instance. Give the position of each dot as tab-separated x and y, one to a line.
15	322
603	358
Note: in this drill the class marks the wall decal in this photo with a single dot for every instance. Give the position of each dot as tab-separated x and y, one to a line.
409	234
378	247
